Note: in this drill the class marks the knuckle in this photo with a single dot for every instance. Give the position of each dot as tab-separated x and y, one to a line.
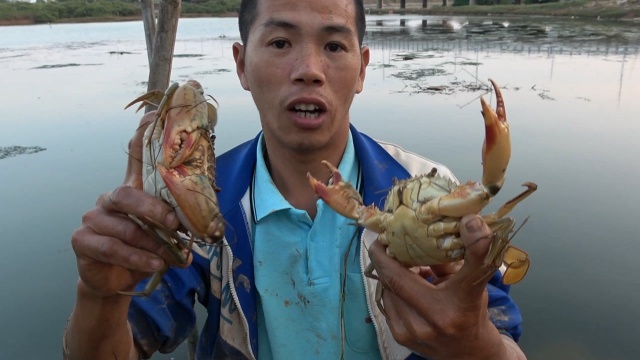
106	249
102	198
452	328
77	239
418	330
89	216
402	337
119	195
130	232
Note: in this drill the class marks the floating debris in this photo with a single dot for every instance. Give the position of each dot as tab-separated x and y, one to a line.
120	53
417	74
11	151
209	72
62	65
413	56
187	55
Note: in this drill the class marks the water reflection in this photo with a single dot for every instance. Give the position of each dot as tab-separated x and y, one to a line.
505	35
422	37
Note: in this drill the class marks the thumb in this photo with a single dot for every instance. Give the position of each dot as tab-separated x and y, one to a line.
476	237
133	176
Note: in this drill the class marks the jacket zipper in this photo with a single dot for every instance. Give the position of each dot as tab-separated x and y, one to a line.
383	354
235	299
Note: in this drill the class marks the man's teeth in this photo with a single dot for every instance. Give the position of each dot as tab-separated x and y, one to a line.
309	111
307	107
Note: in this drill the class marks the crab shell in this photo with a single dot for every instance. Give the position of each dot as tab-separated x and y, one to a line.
400	223
179	160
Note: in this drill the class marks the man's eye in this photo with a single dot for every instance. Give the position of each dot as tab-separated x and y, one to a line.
333	47
279	44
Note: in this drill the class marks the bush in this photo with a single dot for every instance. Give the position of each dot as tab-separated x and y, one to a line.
51	11
211	7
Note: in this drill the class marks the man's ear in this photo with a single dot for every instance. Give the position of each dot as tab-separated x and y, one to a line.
238	56
364	56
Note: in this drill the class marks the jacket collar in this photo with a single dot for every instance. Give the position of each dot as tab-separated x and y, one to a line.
379	169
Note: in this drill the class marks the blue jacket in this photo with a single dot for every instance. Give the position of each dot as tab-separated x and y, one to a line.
221	276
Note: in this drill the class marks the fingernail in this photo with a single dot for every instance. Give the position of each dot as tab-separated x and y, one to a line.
474	225
171	220
155	264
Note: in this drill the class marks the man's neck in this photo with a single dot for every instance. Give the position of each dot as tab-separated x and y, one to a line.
289	173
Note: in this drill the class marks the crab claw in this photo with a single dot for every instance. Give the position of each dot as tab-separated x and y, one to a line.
199	214
340	195
496	149
187	113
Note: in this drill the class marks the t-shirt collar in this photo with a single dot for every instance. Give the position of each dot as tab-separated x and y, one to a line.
266	198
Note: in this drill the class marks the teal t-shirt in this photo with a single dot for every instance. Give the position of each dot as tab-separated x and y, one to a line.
303	268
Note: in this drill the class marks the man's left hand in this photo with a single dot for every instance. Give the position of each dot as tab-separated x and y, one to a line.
447	318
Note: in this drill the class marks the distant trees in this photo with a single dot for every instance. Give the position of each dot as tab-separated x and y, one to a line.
51	11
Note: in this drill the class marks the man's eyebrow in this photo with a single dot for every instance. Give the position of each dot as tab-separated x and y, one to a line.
338	29
283	24
276	23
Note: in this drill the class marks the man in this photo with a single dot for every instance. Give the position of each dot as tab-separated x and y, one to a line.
287	283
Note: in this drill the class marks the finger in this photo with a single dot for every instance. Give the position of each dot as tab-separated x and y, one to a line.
133	176
128	200
395	322
398	279
474	274
125	230
443	271
407	326
425	272
89	245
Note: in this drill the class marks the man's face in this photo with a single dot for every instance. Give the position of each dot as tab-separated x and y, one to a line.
303	66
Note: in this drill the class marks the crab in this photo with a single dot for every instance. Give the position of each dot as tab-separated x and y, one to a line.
420	221
179	168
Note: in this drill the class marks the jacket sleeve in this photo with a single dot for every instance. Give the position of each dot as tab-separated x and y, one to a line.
165	318
503	311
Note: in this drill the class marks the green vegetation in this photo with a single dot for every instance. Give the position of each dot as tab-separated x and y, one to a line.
96	10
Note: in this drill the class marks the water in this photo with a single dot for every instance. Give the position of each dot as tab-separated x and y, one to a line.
571	95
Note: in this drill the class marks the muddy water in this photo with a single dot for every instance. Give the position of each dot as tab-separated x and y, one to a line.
570	89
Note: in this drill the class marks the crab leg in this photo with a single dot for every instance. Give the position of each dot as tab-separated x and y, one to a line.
340	195
517	263
509	205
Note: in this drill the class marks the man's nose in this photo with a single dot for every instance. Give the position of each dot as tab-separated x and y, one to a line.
309	67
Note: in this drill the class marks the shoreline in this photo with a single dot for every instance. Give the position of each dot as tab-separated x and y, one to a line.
609	10
85	20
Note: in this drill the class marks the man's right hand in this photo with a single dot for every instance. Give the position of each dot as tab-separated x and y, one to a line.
112	251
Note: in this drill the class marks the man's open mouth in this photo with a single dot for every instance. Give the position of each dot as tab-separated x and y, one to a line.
309	111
